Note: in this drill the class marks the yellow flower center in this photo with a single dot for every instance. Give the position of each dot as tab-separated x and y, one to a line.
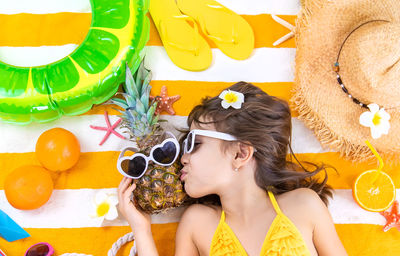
230	97
102	209
376	120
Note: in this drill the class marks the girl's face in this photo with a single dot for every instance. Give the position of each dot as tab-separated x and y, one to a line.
206	169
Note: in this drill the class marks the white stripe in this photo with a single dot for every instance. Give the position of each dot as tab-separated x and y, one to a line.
34	56
43	6
19	139
249	7
254	7
304	140
345	210
264	65
72	208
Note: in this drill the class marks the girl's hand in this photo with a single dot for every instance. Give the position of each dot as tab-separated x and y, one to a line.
137	219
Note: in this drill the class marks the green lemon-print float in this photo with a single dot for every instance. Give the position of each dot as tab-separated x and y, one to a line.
89	75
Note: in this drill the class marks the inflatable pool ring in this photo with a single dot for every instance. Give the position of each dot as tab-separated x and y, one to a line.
89	75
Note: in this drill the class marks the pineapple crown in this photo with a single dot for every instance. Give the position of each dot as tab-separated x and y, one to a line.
138	113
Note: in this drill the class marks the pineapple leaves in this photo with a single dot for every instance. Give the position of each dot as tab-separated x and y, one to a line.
140	108
139	113
119	102
145	97
141	74
129	100
150	113
146	80
130	116
155	120
138	76
130	85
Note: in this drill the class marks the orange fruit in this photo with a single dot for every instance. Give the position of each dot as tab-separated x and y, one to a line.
374	196
28	187
57	149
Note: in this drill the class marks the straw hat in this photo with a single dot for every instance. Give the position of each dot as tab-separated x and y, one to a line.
369	68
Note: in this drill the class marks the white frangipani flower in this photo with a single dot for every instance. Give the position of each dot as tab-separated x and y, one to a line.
231	99
376	119
105	206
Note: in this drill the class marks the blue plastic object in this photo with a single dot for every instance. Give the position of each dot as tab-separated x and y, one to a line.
9	230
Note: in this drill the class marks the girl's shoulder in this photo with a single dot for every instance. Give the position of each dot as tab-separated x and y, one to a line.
202	212
198	223
303	195
301	203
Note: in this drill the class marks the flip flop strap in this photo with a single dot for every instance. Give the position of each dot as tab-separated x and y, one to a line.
164	35
203	26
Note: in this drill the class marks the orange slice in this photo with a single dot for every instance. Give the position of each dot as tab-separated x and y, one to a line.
374	191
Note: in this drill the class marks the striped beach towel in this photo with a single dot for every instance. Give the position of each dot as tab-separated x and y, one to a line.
65	220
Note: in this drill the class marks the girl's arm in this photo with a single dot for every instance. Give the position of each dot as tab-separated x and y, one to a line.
325	238
185	245
140	222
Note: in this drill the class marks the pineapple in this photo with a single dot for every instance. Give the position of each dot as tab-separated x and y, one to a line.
160	187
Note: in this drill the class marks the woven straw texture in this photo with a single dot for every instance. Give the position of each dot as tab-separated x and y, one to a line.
369	68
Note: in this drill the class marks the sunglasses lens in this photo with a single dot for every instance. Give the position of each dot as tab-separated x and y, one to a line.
165	154
137	166
38	250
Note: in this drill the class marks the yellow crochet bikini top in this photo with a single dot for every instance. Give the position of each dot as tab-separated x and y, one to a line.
283	238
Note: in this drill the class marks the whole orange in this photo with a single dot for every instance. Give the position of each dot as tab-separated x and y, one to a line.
28	187
57	149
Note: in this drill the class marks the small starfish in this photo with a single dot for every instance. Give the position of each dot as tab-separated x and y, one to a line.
165	102
109	128
286	25
392	217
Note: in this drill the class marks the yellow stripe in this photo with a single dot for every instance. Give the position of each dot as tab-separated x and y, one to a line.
192	92
98	169
93	170
347	171
266	31
44	29
368	239
97	241
93	241
71	28
99	110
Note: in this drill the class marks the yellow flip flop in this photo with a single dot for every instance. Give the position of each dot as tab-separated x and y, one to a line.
184	45
229	31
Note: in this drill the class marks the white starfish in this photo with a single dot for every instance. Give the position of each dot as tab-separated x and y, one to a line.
286	25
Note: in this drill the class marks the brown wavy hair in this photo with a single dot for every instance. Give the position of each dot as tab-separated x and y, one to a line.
264	122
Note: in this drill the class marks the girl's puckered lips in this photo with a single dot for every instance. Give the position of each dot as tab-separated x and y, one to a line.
183	174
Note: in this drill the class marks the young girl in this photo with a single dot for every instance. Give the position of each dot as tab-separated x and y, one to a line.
268	206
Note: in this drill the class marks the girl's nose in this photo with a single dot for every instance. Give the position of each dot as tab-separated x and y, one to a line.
185	159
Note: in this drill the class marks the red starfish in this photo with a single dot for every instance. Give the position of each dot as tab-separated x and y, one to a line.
392	217
109	128
165	102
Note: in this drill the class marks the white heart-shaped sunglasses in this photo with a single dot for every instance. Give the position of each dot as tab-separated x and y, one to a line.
163	154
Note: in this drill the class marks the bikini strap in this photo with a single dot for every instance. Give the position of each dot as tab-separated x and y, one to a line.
274	202
222	219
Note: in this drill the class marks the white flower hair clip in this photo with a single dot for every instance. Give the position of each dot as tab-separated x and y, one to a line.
231	99
376	119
